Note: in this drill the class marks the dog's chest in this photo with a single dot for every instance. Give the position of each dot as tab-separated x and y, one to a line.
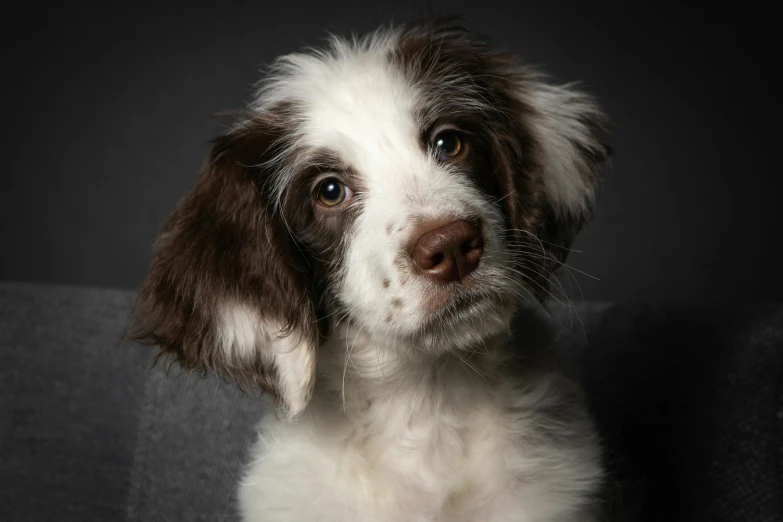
437	451
426	465
387	464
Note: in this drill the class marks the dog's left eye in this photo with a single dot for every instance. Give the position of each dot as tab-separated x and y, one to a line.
448	145
332	192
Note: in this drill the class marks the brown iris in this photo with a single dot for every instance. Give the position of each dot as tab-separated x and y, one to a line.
448	145
332	192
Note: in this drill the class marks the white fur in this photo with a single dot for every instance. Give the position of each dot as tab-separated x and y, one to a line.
402	425
560	128
360	106
417	442
244	334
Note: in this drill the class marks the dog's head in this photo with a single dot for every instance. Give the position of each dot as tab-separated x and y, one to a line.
414	183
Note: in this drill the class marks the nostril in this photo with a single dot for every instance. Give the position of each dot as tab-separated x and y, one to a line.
467	246
448	252
472	242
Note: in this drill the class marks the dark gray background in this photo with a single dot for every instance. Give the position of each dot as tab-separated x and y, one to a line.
108	111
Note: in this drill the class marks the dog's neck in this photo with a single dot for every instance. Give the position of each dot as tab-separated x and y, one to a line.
357	371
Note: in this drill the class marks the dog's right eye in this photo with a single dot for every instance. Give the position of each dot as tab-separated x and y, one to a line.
332	192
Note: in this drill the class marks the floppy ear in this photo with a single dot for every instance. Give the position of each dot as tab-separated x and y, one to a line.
567	132
227	291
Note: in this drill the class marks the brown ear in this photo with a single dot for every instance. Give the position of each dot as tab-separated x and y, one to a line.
567	133
227	290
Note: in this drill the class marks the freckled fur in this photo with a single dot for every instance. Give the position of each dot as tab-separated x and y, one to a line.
405	400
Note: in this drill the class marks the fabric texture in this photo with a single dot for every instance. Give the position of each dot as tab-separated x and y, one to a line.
688	399
70	393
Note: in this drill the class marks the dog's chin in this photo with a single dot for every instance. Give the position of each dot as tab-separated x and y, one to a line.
451	317
462	318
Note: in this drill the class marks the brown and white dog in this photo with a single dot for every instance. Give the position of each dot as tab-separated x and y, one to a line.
356	246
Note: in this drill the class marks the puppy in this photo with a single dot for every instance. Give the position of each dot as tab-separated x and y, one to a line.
356	246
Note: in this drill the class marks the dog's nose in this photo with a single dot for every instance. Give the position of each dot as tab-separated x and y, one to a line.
449	252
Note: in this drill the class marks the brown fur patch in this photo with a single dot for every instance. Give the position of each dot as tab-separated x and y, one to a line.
222	244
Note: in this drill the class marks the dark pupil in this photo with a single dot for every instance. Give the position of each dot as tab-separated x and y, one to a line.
447	143
331	190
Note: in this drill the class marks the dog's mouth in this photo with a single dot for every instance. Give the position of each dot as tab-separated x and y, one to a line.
458	305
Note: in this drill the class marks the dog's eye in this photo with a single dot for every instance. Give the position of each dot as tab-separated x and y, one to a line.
448	145
332	192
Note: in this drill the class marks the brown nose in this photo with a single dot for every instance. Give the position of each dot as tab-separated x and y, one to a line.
449	252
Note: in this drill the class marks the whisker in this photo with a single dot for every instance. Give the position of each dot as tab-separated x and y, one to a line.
331	314
551	277
541	240
543	253
538	285
469	365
